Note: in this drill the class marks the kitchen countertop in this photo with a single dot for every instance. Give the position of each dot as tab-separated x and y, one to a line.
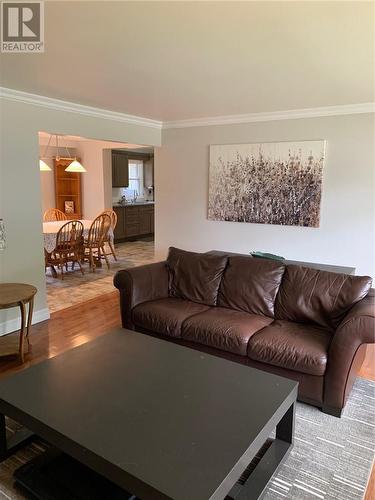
138	203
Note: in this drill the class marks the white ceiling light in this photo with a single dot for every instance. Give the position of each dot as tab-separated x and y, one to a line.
75	166
43	167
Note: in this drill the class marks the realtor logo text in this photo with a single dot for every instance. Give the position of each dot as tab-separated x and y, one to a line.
22	27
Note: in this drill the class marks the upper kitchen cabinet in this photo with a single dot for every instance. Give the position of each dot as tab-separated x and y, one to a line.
120	169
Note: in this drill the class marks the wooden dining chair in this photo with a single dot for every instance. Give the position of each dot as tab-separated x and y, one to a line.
68	247
53	214
110	237
94	244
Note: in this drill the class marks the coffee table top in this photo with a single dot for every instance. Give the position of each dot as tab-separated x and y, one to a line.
161	420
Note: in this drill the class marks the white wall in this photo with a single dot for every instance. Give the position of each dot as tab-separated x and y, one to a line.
346	233
98	177
20	190
92	181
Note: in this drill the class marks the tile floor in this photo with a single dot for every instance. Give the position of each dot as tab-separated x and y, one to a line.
76	288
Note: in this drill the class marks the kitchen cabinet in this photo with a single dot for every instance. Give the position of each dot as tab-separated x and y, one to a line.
120	169
146	216
119	231
134	221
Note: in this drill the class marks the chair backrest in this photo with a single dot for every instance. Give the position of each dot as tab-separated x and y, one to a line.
113	217
69	236
98	230
53	214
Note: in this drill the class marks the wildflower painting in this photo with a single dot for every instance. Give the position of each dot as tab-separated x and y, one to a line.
269	183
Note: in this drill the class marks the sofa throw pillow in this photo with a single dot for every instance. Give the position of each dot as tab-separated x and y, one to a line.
195	276
321	297
251	284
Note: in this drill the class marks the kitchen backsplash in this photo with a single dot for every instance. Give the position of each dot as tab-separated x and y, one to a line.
117	193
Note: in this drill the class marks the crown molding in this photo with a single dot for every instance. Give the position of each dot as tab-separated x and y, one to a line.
71	107
292	114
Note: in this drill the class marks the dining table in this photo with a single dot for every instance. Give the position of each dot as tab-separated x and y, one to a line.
50	230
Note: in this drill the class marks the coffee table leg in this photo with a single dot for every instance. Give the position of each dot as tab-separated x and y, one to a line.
255	485
15	442
285	428
3	436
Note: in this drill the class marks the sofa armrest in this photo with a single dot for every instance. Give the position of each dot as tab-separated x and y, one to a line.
140	284
356	329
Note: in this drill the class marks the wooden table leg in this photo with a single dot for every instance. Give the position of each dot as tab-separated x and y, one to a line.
29	319
22	331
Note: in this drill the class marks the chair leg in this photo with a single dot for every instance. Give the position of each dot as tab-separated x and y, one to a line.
112	250
80	266
105	257
53	271
62	268
92	263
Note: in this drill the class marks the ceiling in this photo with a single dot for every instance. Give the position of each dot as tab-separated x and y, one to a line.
45	139
183	60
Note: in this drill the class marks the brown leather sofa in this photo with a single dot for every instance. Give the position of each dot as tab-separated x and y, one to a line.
309	325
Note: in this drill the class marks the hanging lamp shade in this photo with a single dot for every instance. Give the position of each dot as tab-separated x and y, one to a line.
43	167
75	166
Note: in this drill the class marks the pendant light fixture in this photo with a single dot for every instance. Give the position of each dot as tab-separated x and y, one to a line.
43	167
74	164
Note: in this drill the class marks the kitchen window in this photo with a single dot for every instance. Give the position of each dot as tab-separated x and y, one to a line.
136	182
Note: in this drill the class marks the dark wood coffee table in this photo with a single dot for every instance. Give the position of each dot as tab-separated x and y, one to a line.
157	419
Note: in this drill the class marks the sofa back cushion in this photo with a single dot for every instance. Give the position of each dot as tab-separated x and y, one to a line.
312	296
251	284
195	276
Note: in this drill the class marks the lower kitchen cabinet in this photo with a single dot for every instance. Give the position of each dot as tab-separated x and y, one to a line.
146	218
134	221
119	231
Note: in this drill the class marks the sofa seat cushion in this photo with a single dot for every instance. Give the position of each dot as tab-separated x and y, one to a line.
299	347
224	329
165	316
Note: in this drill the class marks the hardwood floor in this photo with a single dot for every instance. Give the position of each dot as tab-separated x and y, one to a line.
66	329
368	371
79	324
368	367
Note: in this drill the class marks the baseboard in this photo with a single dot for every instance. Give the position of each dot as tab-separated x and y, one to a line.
13	325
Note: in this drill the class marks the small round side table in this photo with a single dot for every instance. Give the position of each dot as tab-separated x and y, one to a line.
17	295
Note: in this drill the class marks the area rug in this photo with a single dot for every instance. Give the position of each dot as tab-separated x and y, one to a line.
331	459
